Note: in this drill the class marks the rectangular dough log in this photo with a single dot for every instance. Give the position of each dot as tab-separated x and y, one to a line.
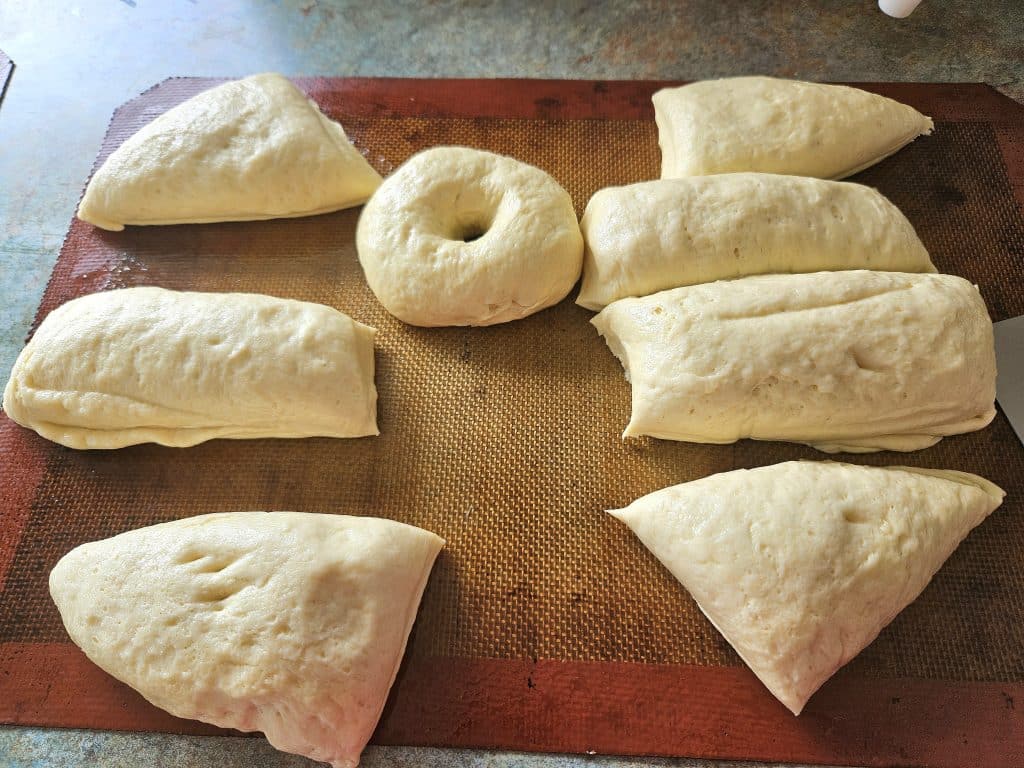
150	365
844	361
656	235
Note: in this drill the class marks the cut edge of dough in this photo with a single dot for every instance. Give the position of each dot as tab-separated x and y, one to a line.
415	602
903	443
110	226
621	353
993	491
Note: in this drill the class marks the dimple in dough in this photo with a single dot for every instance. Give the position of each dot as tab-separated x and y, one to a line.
254	148
844	361
800	565
779	126
656	235
177	368
458	236
288	623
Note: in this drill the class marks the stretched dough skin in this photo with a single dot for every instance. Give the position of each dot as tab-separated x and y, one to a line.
249	149
656	235
779	126
844	361
146	365
288	623
800	565
416	239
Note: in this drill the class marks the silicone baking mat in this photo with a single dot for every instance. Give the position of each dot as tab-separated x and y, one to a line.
545	625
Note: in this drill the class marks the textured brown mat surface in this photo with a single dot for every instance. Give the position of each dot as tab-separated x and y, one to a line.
505	440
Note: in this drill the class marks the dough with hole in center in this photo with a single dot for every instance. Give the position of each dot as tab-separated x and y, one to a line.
459	236
288	623
843	361
148	365
255	148
779	126
800	565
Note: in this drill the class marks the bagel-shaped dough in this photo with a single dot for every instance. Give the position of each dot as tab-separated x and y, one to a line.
843	361
656	235
249	149
459	236
779	126
148	365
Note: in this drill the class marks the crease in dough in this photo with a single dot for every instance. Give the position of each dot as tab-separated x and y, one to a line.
853	361
246	150
655	235
773	125
800	565
289	623
177	368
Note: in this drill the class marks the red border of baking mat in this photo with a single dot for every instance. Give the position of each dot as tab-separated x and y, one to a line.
571	706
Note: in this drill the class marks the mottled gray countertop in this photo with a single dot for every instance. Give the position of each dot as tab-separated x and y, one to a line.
77	61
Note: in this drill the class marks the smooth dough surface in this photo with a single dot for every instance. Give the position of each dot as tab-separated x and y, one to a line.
843	361
254	148
288	623
458	236
655	235
144	365
779	126
800	565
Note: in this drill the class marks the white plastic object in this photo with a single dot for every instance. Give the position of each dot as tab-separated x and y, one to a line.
898	9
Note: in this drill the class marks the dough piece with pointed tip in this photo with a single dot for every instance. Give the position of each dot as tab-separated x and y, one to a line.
800	565
143	365
249	149
779	126
843	361
663	234
289	623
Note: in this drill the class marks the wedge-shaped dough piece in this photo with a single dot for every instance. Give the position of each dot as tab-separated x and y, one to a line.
250	149
288	623
800	565
844	361
656	235
147	365
779	126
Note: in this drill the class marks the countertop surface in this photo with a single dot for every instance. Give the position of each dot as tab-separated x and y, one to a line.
76	62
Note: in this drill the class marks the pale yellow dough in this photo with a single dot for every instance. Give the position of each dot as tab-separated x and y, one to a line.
288	623
149	365
656	235
843	361
459	236
779	126
800	565
249	149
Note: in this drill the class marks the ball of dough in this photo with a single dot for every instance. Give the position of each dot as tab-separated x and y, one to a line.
458	236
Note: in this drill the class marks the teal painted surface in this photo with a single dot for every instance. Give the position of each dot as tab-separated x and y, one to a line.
77	61
36	748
